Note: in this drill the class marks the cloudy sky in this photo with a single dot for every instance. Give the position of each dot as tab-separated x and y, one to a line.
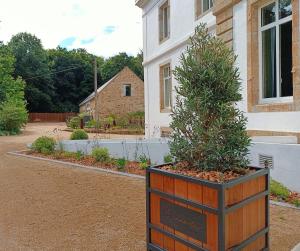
103	27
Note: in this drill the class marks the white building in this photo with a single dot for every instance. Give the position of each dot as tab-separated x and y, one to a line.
265	36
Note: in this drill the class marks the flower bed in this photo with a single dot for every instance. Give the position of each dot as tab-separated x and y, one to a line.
282	194
132	167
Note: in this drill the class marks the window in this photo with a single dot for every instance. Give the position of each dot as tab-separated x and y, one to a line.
275	31
127	90
166	87
202	6
164	22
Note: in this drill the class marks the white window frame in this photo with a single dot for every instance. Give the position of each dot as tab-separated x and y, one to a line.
161	27
164	86
261	28
124	90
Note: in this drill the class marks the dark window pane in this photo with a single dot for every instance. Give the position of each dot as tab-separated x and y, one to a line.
286	59
269	63
127	90
205	5
285	8
268	14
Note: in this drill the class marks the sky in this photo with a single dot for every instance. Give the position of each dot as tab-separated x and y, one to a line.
103	28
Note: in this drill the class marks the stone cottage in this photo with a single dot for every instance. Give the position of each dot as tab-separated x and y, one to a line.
122	94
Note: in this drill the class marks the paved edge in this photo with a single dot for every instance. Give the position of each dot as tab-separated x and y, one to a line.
283	204
74	165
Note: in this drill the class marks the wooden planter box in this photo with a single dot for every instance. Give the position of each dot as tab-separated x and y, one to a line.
186	213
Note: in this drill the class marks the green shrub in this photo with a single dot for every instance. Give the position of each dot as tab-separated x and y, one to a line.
74	122
92	124
121	163
296	203
101	154
79	135
279	190
123	122
144	161
44	144
168	158
13	116
209	132
79	155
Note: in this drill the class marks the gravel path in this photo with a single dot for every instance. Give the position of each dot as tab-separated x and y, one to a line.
46	207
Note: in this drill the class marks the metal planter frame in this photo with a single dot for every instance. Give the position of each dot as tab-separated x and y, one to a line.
221	211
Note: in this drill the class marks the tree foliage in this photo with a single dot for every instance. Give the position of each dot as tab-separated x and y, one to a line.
57	80
32	65
13	113
209	131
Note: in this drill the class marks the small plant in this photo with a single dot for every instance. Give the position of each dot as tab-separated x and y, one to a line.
121	163
45	145
168	158
79	135
296	203
101	154
122	122
279	190
79	155
74	122
144	161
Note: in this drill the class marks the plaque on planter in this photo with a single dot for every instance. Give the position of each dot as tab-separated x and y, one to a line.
183	219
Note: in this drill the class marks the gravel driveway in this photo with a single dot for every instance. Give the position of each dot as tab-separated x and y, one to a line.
47	207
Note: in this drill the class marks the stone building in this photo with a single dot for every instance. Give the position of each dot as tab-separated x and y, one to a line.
122	94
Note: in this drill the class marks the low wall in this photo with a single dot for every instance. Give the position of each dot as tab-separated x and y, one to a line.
154	149
286	157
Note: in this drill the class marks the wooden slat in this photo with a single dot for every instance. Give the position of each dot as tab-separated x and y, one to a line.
156	181
248	220
168	187
181	190
210	198
195	194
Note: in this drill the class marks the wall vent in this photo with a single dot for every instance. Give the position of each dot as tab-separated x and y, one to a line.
266	160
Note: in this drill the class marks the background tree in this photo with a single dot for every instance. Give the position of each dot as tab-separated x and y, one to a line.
32	65
13	114
209	131
116	63
74	77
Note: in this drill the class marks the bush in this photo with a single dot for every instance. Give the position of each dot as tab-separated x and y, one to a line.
74	122
123	122
13	117
209	132
144	161
79	135
45	145
101	154
121	163
93	124
168	158
279	190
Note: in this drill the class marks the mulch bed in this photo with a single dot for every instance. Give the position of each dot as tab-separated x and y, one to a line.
131	167
214	176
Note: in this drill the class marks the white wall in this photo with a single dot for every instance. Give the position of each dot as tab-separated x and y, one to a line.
182	26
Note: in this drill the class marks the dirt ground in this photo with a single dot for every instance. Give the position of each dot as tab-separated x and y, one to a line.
44	206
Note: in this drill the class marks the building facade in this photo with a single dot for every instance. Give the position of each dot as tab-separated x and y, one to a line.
264	34
123	94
